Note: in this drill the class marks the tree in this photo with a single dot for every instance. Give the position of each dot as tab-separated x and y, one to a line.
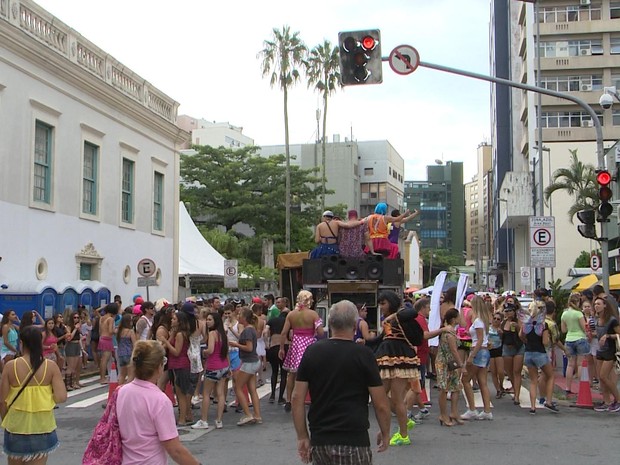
322	69
227	187
282	55
579	181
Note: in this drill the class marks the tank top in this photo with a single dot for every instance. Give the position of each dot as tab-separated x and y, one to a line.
377	227
125	346
145	332
193	353
48	341
12	336
394	232
495	340
176	362
215	361
33	411
232	338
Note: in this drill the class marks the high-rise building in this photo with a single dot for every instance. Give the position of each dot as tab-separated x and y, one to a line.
440	200
578	54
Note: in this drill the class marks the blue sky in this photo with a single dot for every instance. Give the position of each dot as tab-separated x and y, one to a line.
204	55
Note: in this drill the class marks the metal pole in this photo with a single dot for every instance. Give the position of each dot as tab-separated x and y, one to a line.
541	204
600	153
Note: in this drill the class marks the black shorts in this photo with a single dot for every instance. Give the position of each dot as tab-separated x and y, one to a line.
496	352
181	379
605	356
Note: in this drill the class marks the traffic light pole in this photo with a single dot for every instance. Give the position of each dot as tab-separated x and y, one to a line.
600	154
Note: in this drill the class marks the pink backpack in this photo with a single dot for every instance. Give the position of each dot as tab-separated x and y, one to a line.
105	447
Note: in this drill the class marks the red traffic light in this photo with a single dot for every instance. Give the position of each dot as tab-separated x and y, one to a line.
603	177
369	43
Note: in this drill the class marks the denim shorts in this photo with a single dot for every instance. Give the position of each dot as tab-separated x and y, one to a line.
482	358
511	351
536	359
216	375
250	367
29	446
578	347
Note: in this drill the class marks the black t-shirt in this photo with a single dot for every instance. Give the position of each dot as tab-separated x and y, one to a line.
610	342
338	374
276	324
60	331
534	342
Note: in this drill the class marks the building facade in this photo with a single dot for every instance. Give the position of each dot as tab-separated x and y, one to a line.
440	200
214	134
90	174
578	54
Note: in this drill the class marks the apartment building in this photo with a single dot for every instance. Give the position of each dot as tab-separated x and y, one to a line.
579	54
214	134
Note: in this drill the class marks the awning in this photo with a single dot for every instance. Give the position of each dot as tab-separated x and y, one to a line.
586	282
571	283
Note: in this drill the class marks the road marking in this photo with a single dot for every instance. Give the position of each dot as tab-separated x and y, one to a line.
90	401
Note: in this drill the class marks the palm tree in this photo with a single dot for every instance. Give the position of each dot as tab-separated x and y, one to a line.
322	68
579	181
282	56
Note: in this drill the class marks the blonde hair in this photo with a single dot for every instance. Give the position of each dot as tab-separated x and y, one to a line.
304	299
480	309
536	308
146	358
574	301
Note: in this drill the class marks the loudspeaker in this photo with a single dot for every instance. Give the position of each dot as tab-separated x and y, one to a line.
374	267
352	268
329	267
393	272
311	271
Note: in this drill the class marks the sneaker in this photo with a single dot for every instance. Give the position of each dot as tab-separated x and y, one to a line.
485	416
398	440
614	407
532	411
421	415
287	407
246	421
470	415
551	407
601	408
272	399
281	401
219	424
410	424
196	400
200	424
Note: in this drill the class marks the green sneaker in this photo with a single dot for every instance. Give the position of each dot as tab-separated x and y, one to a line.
398	440
410	424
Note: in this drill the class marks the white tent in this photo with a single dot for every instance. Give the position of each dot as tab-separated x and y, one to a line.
197	258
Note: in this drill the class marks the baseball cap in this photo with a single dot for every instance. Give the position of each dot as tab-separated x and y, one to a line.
328	213
188	308
257	300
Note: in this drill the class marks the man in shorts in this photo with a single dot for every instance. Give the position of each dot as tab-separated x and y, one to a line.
338	415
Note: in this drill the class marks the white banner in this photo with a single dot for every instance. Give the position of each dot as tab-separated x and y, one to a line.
434	318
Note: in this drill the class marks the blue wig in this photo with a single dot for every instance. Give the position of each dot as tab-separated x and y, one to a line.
381	208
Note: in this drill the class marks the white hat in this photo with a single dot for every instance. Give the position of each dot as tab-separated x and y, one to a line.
328	213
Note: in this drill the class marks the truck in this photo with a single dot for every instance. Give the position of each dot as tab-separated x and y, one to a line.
334	278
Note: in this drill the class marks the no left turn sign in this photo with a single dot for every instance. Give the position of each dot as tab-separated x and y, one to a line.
404	59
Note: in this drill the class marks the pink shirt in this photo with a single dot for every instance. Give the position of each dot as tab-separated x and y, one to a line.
145	419
215	361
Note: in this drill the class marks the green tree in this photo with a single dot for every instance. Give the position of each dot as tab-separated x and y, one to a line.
227	187
583	260
282	56
322	69
442	260
578	181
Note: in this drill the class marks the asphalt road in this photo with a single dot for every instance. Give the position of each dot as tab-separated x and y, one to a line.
573	436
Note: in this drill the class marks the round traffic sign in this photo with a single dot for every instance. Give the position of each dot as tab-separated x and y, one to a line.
231	271
595	262
146	267
404	59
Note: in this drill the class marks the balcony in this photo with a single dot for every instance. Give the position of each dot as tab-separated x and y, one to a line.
515	199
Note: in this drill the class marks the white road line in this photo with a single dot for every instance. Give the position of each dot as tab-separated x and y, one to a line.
90	401
85	389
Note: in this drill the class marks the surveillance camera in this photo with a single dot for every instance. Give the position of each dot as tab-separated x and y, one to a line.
606	101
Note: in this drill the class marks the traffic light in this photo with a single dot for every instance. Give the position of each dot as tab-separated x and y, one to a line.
360	57
588	228
604	194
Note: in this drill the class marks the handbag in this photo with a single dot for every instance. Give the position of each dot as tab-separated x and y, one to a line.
105	446
452	365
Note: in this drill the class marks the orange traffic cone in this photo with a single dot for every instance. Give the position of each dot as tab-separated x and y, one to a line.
170	393
113	383
584	398
424	398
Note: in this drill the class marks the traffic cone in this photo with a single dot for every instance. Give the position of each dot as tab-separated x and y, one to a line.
424	397
113	382
584	398
170	393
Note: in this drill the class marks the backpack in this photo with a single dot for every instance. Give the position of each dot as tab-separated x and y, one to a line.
105	446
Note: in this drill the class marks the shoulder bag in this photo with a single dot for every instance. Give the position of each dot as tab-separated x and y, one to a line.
105	446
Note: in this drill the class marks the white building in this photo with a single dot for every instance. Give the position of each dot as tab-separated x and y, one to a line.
214	134
89	156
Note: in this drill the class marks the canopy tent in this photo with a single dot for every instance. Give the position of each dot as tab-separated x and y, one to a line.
197	258
614	282
571	283
586	282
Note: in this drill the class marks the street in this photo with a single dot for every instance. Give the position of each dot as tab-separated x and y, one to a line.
574	436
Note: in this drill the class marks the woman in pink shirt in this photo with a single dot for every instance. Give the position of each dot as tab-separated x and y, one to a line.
145	414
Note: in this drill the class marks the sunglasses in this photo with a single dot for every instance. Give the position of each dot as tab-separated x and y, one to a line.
165	360
497	319
76	317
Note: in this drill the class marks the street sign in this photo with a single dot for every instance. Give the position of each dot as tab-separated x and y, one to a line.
526	276
145	281
146	267
231	280
404	59
542	241
595	262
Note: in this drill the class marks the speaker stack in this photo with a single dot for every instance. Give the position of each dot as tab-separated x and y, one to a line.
371	267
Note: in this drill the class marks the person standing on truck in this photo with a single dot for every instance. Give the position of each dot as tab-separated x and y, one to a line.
326	234
378	230
351	241
306	326
394	227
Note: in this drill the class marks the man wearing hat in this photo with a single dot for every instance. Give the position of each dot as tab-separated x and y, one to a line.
326	234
